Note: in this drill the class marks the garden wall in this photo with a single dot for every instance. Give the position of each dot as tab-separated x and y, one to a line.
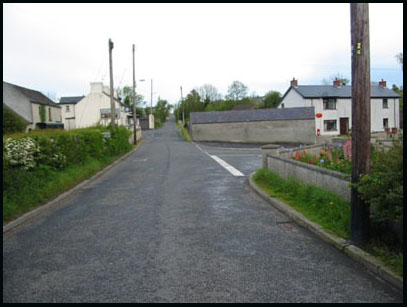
310	174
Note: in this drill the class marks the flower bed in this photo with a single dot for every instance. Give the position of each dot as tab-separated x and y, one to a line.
337	158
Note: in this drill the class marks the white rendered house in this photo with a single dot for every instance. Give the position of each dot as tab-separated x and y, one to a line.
333	106
87	111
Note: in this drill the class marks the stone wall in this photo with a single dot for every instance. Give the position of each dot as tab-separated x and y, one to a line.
310	174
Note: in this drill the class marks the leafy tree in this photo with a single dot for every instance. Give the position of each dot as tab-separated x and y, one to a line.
237	91
12	122
125	94
191	103
208	93
400	59
272	99
162	110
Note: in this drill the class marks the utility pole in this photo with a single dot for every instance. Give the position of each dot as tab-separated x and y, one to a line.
151	96
183	109
134	103
359	13
112	105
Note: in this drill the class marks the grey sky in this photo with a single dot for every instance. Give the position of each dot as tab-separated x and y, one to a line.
61	48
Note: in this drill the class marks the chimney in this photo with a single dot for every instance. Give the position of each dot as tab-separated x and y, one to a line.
294	82
96	87
337	82
382	83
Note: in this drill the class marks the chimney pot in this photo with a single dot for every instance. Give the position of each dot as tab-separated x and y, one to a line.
294	82
382	83
337	82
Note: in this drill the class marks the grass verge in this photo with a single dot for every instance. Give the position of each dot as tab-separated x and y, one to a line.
328	210
37	187
184	133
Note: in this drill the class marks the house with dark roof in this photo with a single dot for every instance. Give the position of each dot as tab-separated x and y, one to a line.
92	109
333	106
31	105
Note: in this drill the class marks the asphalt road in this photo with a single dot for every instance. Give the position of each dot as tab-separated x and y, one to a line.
171	224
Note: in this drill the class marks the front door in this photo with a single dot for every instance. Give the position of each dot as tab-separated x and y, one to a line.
344	125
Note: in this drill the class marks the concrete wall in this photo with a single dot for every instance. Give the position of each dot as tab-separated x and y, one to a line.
333	181
279	131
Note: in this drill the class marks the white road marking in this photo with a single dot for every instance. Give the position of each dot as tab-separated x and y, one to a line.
227	166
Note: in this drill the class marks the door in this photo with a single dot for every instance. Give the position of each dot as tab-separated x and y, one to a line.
344	125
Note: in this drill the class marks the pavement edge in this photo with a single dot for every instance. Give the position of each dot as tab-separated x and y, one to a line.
354	252
54	202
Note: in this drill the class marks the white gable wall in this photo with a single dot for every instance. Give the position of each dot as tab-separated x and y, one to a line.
292	100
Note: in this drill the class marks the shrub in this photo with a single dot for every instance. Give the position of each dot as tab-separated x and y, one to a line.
12	122
383	186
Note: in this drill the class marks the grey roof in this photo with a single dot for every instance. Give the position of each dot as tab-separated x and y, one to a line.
71	100
33	95
344	91
252	115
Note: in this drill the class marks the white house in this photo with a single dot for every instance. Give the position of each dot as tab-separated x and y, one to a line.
32	106
333	106
86	111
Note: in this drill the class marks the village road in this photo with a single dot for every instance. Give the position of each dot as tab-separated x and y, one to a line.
171	224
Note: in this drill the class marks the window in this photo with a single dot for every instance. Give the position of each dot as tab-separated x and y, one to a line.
385	104
282	105
329	103
67	109
330	125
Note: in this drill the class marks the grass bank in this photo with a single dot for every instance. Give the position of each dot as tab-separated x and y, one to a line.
328	210
35	188
184	133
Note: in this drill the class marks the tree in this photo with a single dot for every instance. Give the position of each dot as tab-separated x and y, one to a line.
125	95
272	99
191	103
237	91
400	59
162	110
208	93
344	81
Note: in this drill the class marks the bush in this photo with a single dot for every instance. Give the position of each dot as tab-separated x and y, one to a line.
45	163
383	186
12	122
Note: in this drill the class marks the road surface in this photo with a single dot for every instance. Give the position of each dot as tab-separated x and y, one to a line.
172	223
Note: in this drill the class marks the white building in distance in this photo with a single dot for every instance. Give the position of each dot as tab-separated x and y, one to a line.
333	106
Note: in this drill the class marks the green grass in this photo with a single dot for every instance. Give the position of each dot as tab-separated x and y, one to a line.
184	133
330	211
24	191
321	206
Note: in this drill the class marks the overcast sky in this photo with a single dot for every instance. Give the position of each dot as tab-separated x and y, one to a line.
61	48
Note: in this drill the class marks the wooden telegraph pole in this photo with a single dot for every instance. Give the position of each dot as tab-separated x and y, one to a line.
112	105
359	228
134	103
183	108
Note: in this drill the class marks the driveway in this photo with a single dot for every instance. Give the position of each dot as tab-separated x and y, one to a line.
172	223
